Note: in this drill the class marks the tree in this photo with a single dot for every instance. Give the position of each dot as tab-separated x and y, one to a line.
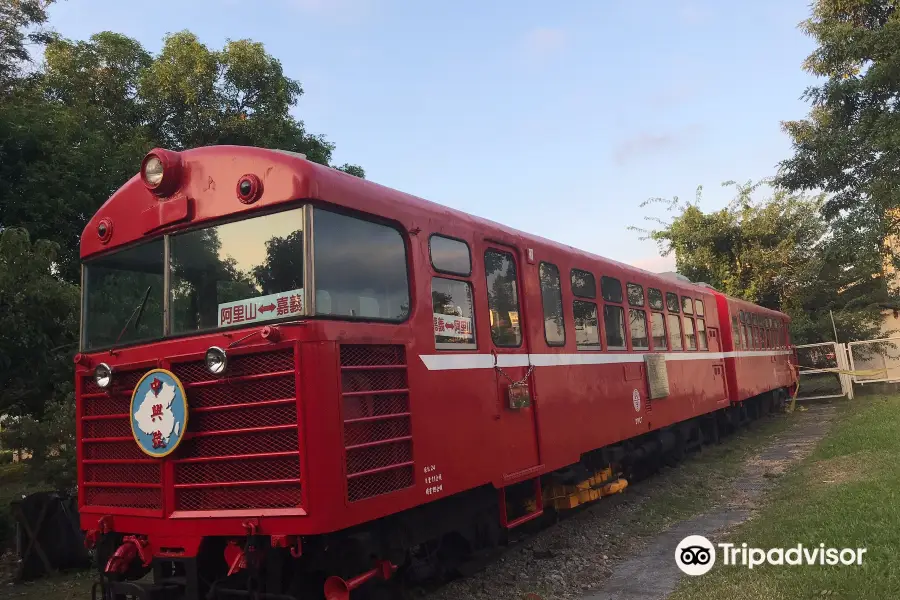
38	325
777	252
17	16
76	131
849	146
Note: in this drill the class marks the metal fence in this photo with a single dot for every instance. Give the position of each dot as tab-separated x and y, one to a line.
824	371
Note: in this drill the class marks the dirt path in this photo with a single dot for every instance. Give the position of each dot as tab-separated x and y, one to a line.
597	555
653	575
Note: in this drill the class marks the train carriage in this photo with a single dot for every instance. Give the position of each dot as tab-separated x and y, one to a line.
290	376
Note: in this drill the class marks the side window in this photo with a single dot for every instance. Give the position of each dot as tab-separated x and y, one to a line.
658	329
635	294
698	306
656	298
503	298
735	332
638	321
551	297
360	267
587	327
583	284
745	341
672	302
687	305
614	320
674	332
690	338
701	335
453	314
611	289
450	256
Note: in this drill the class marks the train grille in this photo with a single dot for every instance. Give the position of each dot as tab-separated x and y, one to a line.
241	449
377	427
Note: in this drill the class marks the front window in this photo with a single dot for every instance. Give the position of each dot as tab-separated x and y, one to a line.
115	288
247	271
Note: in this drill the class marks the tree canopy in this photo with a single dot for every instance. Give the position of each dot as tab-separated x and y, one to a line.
76	130
777	252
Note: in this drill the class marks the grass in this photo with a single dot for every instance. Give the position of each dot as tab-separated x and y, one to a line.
846	494
703	480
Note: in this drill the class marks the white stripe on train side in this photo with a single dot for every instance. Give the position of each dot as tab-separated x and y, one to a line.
459	362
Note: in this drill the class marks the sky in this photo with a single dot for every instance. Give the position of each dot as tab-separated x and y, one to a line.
558	119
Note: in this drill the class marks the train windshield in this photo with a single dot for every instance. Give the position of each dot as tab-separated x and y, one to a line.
245	272
123	296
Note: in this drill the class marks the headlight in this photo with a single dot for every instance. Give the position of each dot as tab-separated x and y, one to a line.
216	360
103	375
153	171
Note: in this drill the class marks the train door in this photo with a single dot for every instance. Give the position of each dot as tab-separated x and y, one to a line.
515	409
715	346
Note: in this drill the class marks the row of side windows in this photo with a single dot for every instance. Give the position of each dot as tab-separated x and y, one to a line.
675	323
753	331
665	331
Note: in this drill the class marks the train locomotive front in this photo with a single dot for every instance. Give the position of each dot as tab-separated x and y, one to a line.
222	433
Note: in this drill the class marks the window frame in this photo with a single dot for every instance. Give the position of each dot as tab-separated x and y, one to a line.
621	299
572	285
646	328
518	296
562	310
579	347
628	286
665	331
685	319
455	239
444	346
625	329
705	346
677	319
669	309
309	271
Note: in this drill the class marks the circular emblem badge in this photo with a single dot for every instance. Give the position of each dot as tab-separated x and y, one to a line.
636	400
159	413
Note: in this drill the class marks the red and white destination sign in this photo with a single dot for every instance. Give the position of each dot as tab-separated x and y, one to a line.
261	308
452	326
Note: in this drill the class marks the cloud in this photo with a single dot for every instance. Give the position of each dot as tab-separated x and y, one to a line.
655	264
644	143
545	41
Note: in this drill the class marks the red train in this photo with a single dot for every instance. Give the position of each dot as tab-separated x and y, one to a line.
293	380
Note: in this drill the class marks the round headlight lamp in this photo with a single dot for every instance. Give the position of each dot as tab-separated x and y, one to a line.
103	375
216	360
152	172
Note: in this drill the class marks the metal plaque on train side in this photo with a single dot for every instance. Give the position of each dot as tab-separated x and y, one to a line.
657	375
519	396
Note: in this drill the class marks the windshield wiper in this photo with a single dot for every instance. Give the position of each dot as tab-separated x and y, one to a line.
139	311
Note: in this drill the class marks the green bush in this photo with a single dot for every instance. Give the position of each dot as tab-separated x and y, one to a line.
51	442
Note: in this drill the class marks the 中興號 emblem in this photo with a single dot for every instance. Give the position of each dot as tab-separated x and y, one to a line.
159	413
